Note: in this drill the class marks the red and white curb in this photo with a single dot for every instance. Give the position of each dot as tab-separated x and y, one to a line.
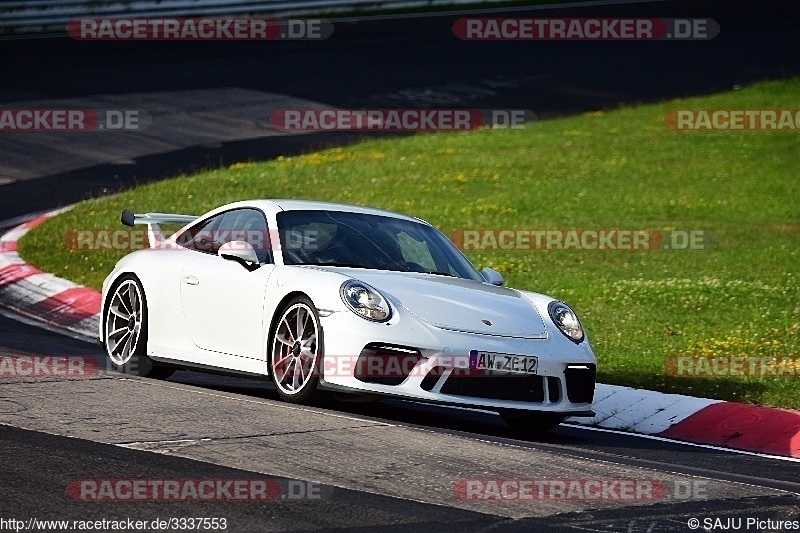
41	297
46	299
740	426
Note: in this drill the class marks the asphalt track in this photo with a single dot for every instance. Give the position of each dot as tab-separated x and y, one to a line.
392	464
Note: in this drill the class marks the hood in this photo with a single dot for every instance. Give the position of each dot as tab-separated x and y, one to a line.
457	304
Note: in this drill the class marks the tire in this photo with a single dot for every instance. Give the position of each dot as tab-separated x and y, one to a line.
296	351
530	422
125	331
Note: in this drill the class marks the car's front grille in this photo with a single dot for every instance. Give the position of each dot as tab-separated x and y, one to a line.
580	382
496	387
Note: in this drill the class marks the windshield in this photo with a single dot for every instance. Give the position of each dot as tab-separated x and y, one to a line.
340	238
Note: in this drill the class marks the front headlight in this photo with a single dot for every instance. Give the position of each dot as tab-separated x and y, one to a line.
566	321
365	301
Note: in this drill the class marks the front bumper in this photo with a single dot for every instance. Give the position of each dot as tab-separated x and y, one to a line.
434	366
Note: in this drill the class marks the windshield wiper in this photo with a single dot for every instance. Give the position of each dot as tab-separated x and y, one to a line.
374	267
343	265
448	274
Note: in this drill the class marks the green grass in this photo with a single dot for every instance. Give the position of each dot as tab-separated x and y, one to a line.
612	169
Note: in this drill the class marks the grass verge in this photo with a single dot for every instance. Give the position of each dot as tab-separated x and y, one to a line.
620	169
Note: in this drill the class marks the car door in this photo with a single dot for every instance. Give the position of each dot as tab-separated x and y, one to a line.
222	300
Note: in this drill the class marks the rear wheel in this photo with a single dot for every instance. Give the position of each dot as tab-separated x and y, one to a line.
296	352
530	422
126	331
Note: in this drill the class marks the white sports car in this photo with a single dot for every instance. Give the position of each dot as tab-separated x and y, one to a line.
322	297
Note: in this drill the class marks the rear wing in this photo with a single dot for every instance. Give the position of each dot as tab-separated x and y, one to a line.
153	221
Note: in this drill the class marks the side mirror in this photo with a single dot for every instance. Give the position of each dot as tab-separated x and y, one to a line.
241	252
492	276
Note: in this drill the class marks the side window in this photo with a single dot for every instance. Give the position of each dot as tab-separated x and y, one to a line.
200	237
415	251
246	224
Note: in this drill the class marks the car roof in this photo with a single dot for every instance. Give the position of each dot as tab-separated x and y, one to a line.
315	205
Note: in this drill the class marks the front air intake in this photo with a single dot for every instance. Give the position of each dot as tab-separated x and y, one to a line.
384	364
580	382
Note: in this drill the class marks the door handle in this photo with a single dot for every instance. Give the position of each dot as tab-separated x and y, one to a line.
191	280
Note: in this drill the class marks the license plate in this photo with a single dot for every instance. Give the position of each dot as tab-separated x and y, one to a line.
501	362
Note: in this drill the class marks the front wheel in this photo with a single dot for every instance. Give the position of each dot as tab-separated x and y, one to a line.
126	331
530	422
296	352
